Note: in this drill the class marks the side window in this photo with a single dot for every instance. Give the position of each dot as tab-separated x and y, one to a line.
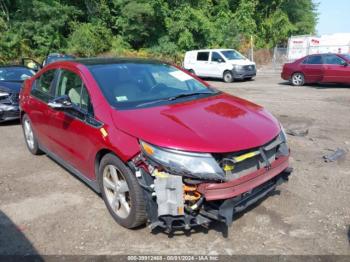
70	84
202	56
333	60
313	60
216	57
42	86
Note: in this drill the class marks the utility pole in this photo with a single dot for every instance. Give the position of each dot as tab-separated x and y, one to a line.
252	48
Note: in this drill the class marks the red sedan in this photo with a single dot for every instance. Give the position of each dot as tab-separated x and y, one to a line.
158	144
318	68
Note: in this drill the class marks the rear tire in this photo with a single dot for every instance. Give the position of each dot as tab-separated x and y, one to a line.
228	77
192	71
29	136
298	79
121	192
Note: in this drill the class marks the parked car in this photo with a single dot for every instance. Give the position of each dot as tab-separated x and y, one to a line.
318	68
11	79
158	144
53	57
227	64
50	58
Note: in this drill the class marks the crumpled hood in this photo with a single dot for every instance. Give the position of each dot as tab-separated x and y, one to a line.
220	123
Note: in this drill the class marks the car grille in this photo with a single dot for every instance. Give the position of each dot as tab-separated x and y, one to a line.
249	160
14	98
249	67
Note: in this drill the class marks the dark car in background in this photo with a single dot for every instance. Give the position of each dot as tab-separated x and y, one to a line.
318	68
53	57
11	80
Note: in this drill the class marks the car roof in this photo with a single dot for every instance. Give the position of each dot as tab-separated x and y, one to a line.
114	60
208	50
14	66
325	54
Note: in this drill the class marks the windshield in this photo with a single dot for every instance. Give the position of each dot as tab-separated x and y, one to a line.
134	85
15	73
347	56
232	55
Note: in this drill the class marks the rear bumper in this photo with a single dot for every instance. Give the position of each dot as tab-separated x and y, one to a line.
285	76
9	112
233	188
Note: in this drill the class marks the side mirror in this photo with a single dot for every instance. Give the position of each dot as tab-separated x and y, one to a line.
61	103
220	60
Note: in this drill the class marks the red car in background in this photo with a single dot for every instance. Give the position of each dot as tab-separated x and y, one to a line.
157	143
318	68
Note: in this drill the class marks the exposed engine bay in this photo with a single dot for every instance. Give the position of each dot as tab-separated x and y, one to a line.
183	190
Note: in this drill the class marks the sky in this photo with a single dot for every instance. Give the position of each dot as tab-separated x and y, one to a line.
334	16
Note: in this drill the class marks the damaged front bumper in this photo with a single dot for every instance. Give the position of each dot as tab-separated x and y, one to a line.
173	205
9	112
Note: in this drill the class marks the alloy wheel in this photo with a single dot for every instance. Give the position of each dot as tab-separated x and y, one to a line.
28	132
298	79
117	191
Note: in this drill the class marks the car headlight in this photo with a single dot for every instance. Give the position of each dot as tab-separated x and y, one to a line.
3	94
197	165
283	134
238	67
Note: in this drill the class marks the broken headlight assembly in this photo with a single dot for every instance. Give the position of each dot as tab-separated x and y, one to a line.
196	165
3	94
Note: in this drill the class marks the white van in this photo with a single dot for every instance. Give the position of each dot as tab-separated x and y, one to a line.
227	64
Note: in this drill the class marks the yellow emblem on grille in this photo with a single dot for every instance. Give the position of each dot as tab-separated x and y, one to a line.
245	156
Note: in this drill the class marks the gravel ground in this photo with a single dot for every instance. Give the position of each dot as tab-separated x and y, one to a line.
45	210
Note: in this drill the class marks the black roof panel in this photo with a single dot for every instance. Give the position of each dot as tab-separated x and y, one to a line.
114	60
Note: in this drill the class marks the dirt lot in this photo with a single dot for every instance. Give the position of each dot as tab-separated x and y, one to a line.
46	210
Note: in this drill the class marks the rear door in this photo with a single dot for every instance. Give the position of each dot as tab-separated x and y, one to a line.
202	64
313	69
38	109
336	69
74	133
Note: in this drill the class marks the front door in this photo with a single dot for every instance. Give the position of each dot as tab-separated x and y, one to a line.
336	69
71	131
216	65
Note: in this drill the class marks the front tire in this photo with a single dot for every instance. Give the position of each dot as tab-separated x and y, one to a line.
121	192
29	136
298	79
228	77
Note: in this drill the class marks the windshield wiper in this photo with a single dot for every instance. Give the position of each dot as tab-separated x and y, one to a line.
174	97
188	94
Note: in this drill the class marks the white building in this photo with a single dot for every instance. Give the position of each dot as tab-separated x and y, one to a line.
299	46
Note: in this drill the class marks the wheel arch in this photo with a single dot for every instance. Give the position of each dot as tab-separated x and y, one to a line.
98	157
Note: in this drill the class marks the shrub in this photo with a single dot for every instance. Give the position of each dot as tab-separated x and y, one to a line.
89	39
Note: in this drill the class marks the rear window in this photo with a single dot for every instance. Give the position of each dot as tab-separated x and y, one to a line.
313	60
203	56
